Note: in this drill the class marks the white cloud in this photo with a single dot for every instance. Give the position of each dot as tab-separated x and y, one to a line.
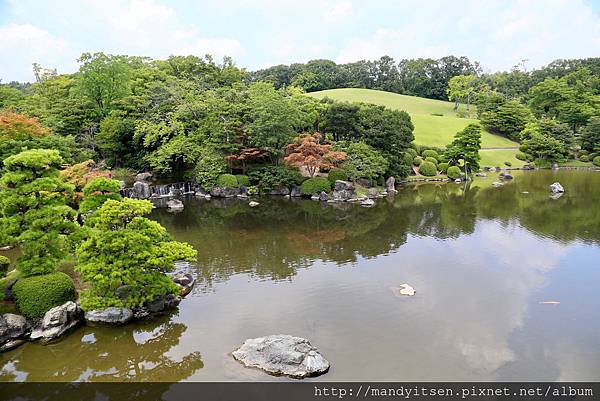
339	10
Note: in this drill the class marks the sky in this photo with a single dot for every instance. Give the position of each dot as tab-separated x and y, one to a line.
260	33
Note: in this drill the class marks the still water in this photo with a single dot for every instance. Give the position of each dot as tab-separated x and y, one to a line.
483	261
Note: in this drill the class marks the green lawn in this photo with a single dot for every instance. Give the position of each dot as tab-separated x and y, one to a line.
430	129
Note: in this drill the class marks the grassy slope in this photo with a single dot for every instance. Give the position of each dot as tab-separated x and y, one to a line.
429	129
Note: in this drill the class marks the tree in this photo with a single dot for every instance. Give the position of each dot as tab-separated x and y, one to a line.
342	121
34	212
465	147
97	191
544	147
590	135
18	127
125	256
461	88
307	152
362	161
506	118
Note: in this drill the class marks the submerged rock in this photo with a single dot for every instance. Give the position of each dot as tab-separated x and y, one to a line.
12	331
57	321
175	204
556	188
282	355
111	315
556	195
404	290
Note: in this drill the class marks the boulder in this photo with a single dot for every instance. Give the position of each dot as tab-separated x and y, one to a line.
458	180
295	192
367	202
323	197
314	197
224	192
404	290
158	305
497	184
143	176
372	193
111	315
506	176
343	190
243	190
141	190
390	185
186	281
280	191
340	185
363	182
481	174
253	204
556	188
57	321
12	331
528	167
282	355
175	204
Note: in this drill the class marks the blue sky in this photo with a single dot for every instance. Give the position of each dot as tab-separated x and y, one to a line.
259	33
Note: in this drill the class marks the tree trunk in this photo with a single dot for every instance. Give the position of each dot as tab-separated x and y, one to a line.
455	104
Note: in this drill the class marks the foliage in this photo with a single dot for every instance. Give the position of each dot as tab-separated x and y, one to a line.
443	167
590	135
430	153
210	165
270	177
4	264
596	161
337	174
428	169
465	147
504	117
508	164
36	295
307	152
453	172
522	156
227	181
315	185
125	256
33	211
584	158
243	180
362	161
417	161
432	160
544	147
98	191
18	127
461	88
81	174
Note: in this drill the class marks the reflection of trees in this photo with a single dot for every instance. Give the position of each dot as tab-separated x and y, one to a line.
280	236
135	352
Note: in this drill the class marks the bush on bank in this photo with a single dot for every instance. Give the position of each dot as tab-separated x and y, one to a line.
36	295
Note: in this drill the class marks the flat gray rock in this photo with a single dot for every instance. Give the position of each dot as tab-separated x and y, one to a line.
282	355
110	315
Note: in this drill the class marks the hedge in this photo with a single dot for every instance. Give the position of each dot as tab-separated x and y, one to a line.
243	180
453	172
337	174
432	160
443	167
36	295
315	185
584	158
596	161
428	169
430	153
227	181
417	161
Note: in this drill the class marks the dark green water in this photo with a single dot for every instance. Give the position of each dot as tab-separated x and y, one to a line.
482	261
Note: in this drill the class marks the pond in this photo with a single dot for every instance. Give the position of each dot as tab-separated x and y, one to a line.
484	261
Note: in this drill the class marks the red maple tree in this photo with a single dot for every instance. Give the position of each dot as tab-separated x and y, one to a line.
310	152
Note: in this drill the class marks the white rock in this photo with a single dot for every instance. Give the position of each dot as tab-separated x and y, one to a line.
253	204
404	290
497	184
556	188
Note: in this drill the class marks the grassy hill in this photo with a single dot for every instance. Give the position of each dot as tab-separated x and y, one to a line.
430	128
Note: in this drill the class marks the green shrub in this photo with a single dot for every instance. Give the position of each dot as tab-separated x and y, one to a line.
508	164
243	180
443	167
407	159
210	165
315	185
584	158
428	169
412	152
4	264
269	177
430	153
521	156
453	172
432	160
36	295
227	181
417	161
337	174
596	161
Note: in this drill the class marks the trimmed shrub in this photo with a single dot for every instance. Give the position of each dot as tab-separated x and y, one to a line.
36	295
4	264
508	164
407	159
430	153
453	172
432	160
428	169
596	161
417	161
412	152
443	167
521	156
337	174
227	181
243	180
315	185
584	158
268	178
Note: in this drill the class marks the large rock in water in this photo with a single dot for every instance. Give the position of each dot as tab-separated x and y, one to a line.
343	190
185	281
556	188
390	185
296	192
57	321
111	315
224	192
282	355
175	204
158	305
12	330
141	190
